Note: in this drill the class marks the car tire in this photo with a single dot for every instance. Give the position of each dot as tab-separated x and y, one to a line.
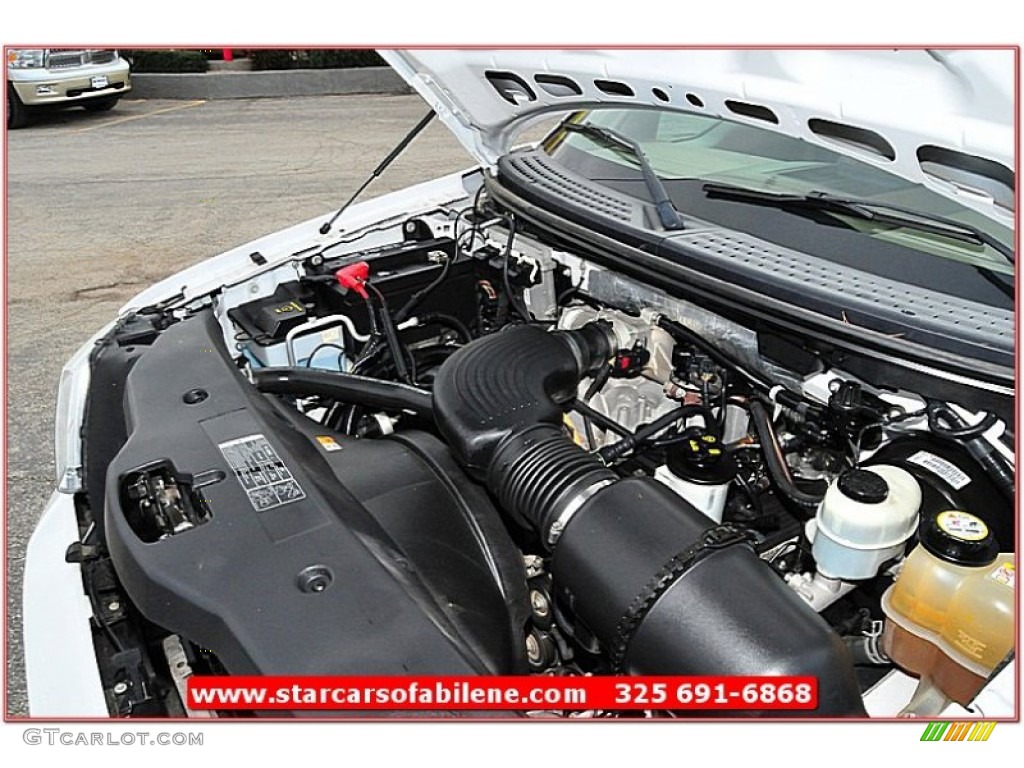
17	113
103	104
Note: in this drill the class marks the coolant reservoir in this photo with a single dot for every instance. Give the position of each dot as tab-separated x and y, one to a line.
950	615
864	520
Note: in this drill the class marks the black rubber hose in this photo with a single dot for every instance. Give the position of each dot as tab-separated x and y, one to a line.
776	462
617	450
346	387
521	376
537	473
866	650
957	430
608	425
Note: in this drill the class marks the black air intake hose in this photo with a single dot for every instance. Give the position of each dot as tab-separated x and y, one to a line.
540	478
518	378
664	589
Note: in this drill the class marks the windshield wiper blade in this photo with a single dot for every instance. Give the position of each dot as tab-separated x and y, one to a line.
868	210
668	214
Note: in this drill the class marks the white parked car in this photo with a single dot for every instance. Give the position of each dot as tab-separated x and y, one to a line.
717	379
57	78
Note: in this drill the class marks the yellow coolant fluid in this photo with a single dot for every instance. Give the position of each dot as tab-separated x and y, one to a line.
950	615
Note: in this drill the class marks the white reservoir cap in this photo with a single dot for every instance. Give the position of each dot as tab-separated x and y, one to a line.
866	516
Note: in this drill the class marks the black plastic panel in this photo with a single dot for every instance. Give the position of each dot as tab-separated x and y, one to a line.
336	556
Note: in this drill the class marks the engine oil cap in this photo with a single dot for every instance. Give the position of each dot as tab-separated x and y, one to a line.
863	486
959	538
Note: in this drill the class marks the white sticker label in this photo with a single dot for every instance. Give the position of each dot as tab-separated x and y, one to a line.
937	465
962	525
261	472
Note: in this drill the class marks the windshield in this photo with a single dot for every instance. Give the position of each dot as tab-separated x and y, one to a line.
687	151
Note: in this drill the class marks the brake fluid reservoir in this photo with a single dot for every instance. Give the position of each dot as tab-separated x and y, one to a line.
950	615
864	520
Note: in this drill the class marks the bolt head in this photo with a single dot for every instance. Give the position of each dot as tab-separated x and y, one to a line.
532	648
539	602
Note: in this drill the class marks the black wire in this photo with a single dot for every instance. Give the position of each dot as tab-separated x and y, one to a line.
474	229
420	295
476	221
711	424
588	430
723	405
413	368
455	224
904	417
567	293
447	321
369	351
374	367
513	300
755	499
616	451
341	353
391	336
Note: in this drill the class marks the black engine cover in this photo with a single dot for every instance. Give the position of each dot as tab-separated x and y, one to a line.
316	553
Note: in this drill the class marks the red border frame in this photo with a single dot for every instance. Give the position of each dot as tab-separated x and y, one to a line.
8	718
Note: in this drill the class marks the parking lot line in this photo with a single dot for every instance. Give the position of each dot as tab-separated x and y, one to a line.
120	120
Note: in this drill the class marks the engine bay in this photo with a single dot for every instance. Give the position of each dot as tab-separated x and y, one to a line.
448	445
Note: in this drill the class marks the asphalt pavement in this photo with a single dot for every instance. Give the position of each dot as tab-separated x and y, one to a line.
102	205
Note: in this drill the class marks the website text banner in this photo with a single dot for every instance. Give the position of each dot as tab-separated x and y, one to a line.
424	693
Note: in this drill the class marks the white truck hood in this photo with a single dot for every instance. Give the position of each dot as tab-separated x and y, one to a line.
918	102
